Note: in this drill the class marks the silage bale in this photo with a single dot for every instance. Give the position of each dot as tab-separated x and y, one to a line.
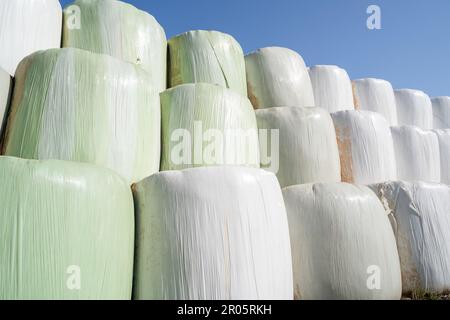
414	108
342	243
212	233
277	77
332	88
209	57
417	154
365	146
120	30
441	112
67	231
376	95
27	26
308	150
421	222
5	91
444	154
71	104
204	125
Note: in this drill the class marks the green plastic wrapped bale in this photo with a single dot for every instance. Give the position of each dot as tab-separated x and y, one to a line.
207	125
66	231
70	104
207	56
120	30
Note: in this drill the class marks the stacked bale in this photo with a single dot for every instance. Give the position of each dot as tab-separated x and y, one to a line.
308	150
376	95
444	154
27	26
67	231
120	30
212	233
358	259
332	88
277	77
441	112
70	104
414	108
5	91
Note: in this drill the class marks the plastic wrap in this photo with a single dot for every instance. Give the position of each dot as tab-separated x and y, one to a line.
212	233
308	150
204	125
277	77
341	242
5	91
376	95
444	154
421	221
209	57
66	230
332	88
71	104
441	112
365	146
417	154
414	108
119	29
27	26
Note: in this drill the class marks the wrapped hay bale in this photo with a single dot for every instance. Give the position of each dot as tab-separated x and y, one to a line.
5	91
441	112
71	104
421	222
277	77
376	95
417	154
365	146
332	88
444	154
212	234
308	150
205	125
414	108
120	30
358	260
67	231
209	57
27	26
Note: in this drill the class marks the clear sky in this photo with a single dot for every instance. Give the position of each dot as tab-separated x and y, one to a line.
412	50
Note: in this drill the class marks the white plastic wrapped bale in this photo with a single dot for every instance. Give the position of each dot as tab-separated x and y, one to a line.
118	29
66	231
5	91
376	95
441	112
27	26
421	224
365	147
332	88
71	104
207	125
357	259
209	57
307	151
214	233
417	154
444	153
414	108
277	77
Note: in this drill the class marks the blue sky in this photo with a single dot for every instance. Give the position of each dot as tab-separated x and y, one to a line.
412	50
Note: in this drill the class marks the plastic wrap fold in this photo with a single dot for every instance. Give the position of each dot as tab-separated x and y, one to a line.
277	77
421	222
27	26
212	233
376	95
444	154
308	150
209	57
71	104
441	112
365	146
120	30
204	125
342	244
332	88
5	93
417	154
414	108
66	230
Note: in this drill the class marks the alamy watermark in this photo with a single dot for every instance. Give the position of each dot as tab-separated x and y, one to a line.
73	17
374	20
